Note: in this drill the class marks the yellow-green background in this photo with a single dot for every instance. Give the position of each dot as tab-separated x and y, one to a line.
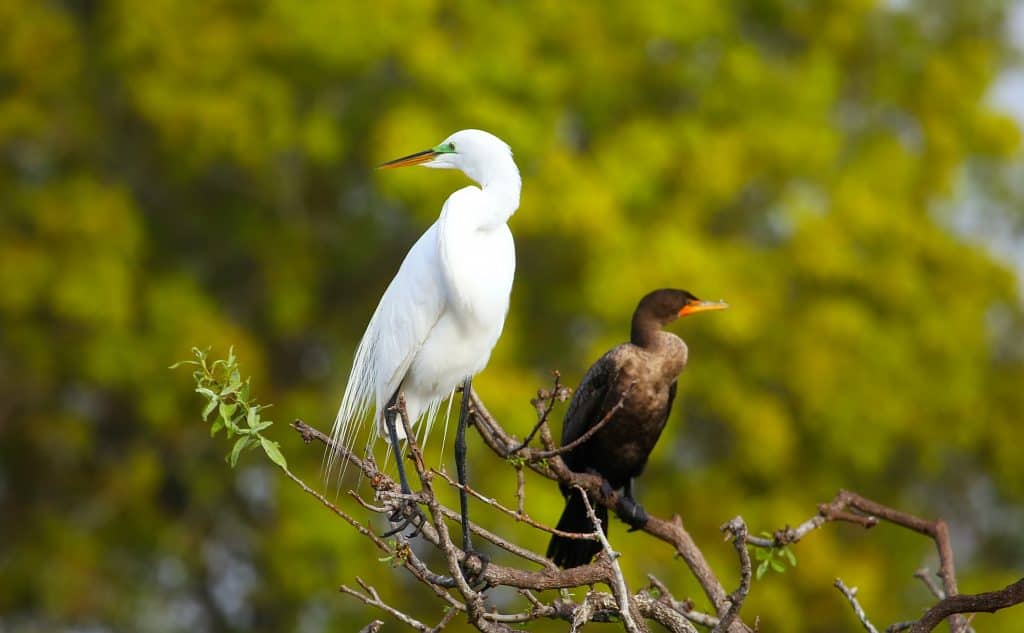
201	173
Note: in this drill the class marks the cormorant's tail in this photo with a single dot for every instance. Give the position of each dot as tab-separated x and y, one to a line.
570	552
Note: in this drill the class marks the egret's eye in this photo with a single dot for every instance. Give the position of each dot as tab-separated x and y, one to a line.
451	147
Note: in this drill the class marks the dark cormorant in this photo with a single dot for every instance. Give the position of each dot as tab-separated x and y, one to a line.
645	369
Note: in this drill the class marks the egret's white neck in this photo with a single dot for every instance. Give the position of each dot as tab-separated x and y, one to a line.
499	179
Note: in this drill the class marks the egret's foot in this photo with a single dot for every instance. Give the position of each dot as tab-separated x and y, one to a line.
473	567
406	513
632	513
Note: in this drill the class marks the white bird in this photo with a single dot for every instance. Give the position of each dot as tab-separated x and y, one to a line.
444	311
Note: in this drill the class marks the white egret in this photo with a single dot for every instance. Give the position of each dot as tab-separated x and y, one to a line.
443	312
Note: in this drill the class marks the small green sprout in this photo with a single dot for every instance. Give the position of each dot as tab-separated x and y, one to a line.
772	557
229	401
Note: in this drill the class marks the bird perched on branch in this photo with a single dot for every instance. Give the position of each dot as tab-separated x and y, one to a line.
629	392
443	313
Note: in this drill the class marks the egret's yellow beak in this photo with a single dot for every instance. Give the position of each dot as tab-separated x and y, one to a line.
418	158
702	306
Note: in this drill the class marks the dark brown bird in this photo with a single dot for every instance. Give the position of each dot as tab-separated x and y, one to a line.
645	369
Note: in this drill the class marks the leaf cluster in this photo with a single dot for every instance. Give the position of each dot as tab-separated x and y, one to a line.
229	401
773	557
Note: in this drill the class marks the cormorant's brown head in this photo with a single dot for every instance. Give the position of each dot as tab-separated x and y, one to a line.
663	306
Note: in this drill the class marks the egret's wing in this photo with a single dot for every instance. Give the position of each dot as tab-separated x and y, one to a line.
409	309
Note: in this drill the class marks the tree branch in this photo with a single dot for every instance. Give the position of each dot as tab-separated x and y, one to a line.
631	610
851	595
989	602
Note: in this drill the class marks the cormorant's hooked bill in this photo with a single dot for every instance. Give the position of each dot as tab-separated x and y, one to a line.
696	305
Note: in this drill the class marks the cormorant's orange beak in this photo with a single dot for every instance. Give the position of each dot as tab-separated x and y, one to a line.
702	306
418	158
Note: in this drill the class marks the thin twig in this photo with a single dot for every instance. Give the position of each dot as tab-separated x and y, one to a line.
561	450
520	490
557	393
372	598
372	627
737	529
851	595
525	518
618	581
684	607
925	575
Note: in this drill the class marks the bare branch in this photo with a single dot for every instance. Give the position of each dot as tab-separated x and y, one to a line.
557	394
851	595
491	501
619	605
561	450
925	575
372	627
618	584
682	606
737	529
372	598
670	531
989	602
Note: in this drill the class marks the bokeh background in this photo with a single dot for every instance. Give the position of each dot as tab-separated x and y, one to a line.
847	175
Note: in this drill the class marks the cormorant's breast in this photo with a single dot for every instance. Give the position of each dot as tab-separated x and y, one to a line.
620	449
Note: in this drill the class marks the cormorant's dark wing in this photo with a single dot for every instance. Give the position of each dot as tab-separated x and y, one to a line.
671	398
586	408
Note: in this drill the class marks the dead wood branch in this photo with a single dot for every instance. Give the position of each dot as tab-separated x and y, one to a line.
462	586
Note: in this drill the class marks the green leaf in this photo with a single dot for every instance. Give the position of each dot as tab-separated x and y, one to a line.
227	411
273	451
777	566
761	554
761	569
789	556
208	409
240	445
253	417
217	425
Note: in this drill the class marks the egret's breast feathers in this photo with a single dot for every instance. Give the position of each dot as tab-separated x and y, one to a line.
478	259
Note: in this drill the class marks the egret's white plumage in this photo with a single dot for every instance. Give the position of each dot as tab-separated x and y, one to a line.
442	314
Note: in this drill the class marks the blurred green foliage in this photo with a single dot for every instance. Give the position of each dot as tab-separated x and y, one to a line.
201	173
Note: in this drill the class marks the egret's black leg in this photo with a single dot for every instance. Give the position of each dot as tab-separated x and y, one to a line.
629	510
460	462
390	414
460	466
408	513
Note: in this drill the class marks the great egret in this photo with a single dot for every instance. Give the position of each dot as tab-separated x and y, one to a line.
642	374
443	312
